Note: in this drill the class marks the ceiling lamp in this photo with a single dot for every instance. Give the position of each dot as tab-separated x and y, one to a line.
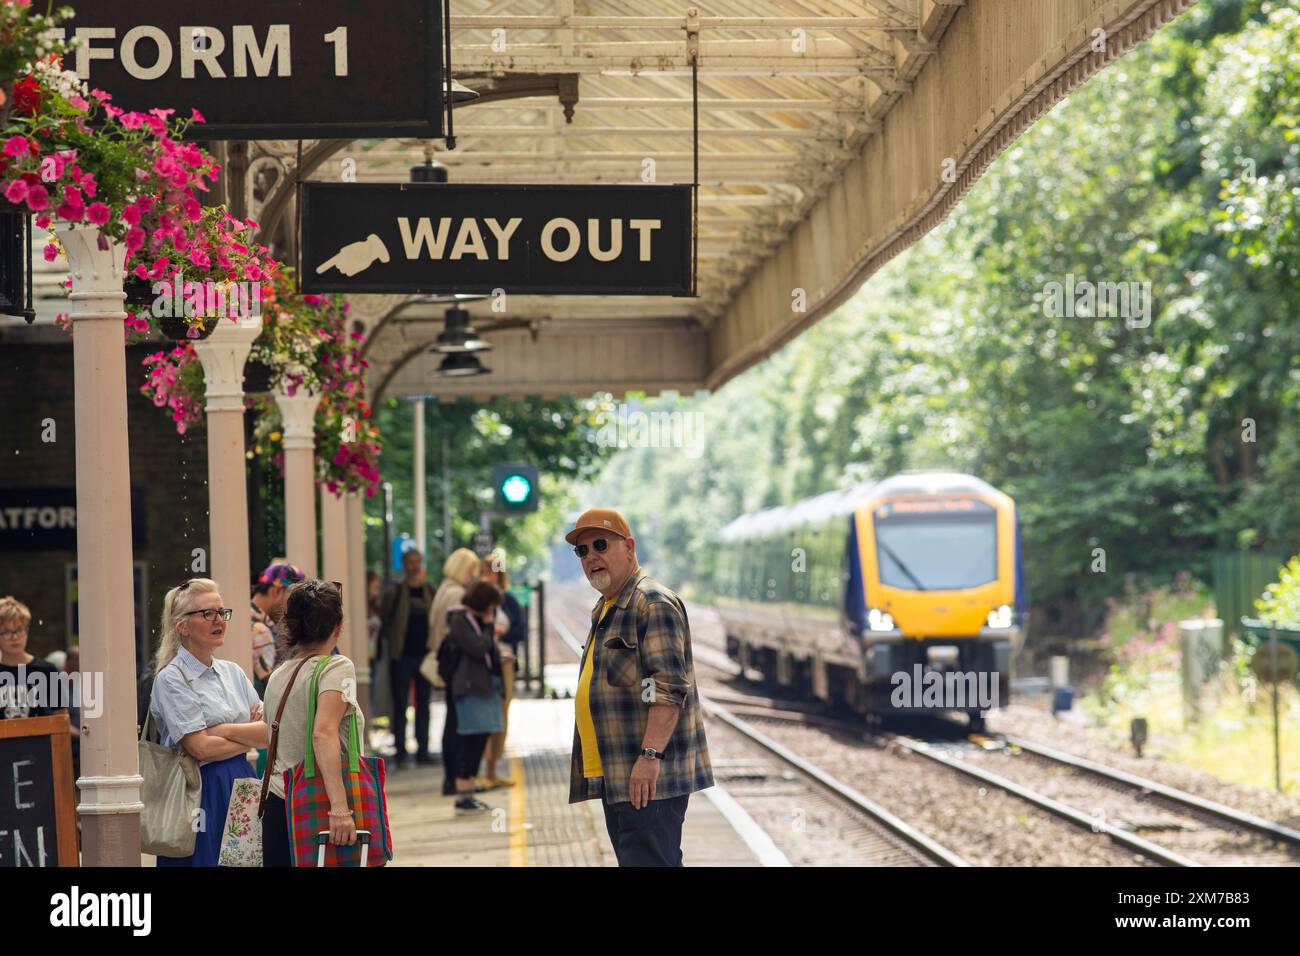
458	336
462	364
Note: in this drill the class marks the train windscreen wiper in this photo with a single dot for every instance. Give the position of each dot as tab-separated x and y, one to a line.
901	566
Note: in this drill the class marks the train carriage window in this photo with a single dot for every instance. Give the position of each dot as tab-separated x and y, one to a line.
936	551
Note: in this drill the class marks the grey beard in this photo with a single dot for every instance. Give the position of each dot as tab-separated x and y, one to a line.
601	580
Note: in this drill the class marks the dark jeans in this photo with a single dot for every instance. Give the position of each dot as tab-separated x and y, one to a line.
275	833
651	836
450	740
403	670
469	751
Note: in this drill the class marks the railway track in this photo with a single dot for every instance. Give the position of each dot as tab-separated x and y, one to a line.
1167	826
876	836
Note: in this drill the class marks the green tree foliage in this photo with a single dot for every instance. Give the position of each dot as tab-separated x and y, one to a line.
1179	166
555	435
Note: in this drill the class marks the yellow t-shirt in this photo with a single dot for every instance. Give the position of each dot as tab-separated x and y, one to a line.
582	711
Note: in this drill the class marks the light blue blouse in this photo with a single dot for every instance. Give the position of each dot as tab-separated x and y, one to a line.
189	695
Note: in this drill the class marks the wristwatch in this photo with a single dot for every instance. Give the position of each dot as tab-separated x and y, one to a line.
652	753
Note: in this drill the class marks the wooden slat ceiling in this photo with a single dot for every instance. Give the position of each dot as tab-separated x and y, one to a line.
833	135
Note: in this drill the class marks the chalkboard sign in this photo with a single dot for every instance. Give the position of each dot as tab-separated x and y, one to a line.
38	820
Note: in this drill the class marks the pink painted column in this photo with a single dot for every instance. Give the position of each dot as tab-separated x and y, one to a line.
110	777
223	355
298	434
355	597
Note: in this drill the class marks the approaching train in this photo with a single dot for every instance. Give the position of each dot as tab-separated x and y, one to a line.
899	596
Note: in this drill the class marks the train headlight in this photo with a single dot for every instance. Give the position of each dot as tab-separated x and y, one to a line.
878	620
1002	618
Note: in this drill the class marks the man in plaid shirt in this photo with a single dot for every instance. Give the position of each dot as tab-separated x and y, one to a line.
638	739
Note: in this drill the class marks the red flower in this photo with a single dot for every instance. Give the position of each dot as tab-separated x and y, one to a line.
27	96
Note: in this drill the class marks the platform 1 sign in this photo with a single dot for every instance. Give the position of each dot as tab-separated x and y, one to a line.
269	69
526	239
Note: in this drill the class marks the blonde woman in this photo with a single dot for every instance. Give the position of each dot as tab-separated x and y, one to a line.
511	629
204	705
458	572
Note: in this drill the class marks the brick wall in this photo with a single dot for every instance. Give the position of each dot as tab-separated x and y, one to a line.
169	470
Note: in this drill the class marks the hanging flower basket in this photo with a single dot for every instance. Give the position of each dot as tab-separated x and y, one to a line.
257	377
139	292
180	329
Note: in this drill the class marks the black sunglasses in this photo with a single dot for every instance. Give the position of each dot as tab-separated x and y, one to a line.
600	545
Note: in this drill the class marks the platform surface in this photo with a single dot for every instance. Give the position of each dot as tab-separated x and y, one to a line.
532	823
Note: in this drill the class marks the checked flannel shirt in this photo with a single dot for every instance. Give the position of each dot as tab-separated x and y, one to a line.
643	655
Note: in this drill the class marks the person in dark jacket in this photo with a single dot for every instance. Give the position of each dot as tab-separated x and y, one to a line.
475	688
406	633
511	632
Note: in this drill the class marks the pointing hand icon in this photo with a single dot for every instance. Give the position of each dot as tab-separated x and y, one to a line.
356	257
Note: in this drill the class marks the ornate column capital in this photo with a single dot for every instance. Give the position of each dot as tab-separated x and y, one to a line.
223	354
98	270
298	413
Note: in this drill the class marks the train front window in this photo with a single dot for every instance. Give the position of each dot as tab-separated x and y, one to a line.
936	553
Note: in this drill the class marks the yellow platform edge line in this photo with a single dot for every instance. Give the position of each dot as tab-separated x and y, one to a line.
518	814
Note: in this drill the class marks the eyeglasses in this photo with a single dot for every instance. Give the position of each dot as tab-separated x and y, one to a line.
14	633
600	545
210	614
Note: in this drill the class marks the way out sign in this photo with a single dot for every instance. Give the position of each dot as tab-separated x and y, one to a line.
269	69
442	237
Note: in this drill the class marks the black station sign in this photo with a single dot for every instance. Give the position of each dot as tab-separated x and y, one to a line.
269	69
446	237
45	519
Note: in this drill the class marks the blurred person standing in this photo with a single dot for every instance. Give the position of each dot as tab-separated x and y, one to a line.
511	630
406	637
475	686
638	737
458	572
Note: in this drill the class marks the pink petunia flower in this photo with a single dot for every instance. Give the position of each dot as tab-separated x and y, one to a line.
98	213
16	146
17	191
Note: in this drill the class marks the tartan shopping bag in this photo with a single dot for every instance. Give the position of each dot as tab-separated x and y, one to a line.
307	804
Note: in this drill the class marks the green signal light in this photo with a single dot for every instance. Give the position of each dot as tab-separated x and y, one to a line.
516	489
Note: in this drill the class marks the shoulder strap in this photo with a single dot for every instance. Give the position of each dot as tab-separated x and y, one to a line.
275	737
148	711
309	757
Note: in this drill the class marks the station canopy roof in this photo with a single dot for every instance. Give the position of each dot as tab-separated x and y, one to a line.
833	134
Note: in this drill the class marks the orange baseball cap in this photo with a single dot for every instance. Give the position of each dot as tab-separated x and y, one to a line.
600	519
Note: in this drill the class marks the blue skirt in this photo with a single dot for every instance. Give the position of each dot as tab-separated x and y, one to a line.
218	777
480	715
